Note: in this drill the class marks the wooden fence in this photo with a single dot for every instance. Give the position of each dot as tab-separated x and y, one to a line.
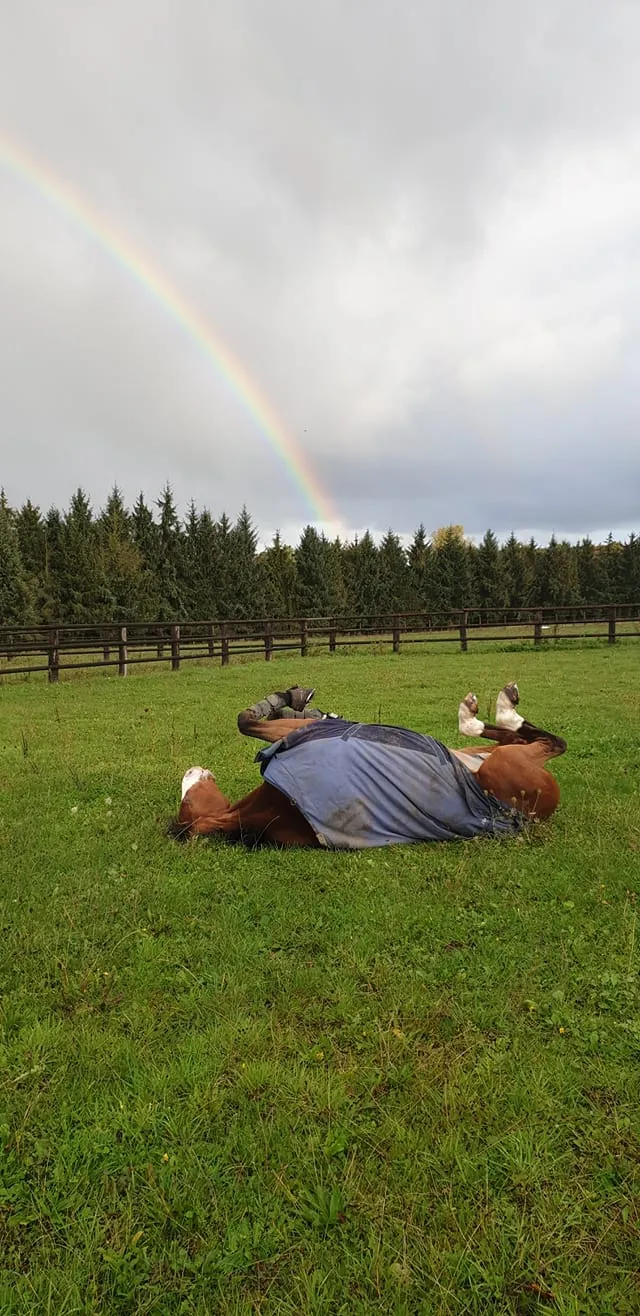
57	648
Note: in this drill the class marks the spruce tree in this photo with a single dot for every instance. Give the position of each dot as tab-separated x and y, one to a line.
593	580
80	583
490	587
145	538
168	577
248	601
313	587
121	561
420	563
16	597
630	570
394	595
362	577
279	579
451	570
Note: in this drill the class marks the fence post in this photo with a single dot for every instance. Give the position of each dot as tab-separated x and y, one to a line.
332	638
612	624
210	639
537	628
54	655
224	645
396	634
304	626
175	648
268	644
122	652
463	631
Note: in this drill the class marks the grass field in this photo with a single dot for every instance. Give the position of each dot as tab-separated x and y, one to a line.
404	1081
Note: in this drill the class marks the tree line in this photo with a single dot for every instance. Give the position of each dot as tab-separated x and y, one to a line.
146	564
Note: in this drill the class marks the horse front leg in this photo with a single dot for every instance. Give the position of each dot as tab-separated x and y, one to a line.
264	815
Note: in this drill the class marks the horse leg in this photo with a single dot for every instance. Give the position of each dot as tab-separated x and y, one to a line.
510	727
263	815
286	709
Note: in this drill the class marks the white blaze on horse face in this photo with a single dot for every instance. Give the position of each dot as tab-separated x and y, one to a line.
506	715
468	724
191	776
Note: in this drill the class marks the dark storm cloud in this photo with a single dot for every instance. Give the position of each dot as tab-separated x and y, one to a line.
416	224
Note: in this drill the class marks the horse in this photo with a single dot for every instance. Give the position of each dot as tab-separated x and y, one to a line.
328	782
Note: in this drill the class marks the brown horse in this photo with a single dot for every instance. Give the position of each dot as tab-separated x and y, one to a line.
502	786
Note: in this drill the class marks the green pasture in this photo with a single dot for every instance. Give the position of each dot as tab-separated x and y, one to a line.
403	1081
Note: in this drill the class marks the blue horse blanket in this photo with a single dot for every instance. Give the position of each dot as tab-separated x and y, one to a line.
361	785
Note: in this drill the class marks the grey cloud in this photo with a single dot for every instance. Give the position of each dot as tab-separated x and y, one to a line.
415	225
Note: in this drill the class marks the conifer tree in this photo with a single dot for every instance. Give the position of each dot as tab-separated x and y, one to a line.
279	579
314	593
490	587
246	577
168	576
80	585
420	563
451	570
121	563
394	590
362	576
145	538
630	570
591	565
224	579
16	596
611	553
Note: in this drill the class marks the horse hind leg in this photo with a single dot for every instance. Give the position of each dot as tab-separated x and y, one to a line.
275	716
508	718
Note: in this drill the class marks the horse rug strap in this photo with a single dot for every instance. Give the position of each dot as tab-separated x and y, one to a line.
360	785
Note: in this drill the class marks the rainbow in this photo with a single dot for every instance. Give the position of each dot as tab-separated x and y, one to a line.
54	190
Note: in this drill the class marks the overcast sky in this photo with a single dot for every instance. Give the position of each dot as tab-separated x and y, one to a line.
416	225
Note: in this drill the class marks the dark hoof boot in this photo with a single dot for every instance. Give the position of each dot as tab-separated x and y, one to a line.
298	698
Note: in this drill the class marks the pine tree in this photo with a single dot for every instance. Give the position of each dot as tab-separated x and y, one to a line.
311	563
362	577
395	586
630	570
247	595
559	575
490	587
279	579
80	584
168	562
451	570
420	565
611	553
16	596
145	538
593	580
518	573
225	566
120	561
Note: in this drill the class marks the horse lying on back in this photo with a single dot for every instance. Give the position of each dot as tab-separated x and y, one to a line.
353	785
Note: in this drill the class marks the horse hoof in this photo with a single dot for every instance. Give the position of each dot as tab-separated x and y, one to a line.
472	703
298	697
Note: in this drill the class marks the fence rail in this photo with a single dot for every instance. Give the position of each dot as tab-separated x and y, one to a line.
59	648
